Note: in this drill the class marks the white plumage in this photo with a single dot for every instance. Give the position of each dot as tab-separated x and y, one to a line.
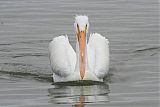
66	63
98	54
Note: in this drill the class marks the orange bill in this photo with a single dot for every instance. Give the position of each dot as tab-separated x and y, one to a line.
82	46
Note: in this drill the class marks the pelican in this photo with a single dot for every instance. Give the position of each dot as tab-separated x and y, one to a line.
90	61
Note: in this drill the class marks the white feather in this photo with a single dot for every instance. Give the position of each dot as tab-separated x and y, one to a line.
98	55
62	57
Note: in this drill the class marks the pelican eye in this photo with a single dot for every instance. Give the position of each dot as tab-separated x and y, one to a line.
86	27
78	28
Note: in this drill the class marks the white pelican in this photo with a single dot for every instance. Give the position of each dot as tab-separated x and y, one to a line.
89	62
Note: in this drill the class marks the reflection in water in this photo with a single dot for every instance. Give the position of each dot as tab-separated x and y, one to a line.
81	102
79	95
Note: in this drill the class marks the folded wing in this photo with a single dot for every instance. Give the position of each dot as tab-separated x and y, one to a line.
98	55
62	56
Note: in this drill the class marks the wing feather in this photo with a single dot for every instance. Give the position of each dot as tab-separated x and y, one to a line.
62	56
98	54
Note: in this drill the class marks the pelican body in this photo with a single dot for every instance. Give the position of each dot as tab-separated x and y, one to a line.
90	61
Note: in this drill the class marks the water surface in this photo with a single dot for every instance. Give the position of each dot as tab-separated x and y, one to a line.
27	27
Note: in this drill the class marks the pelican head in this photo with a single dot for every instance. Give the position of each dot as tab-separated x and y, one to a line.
81	23
81	27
